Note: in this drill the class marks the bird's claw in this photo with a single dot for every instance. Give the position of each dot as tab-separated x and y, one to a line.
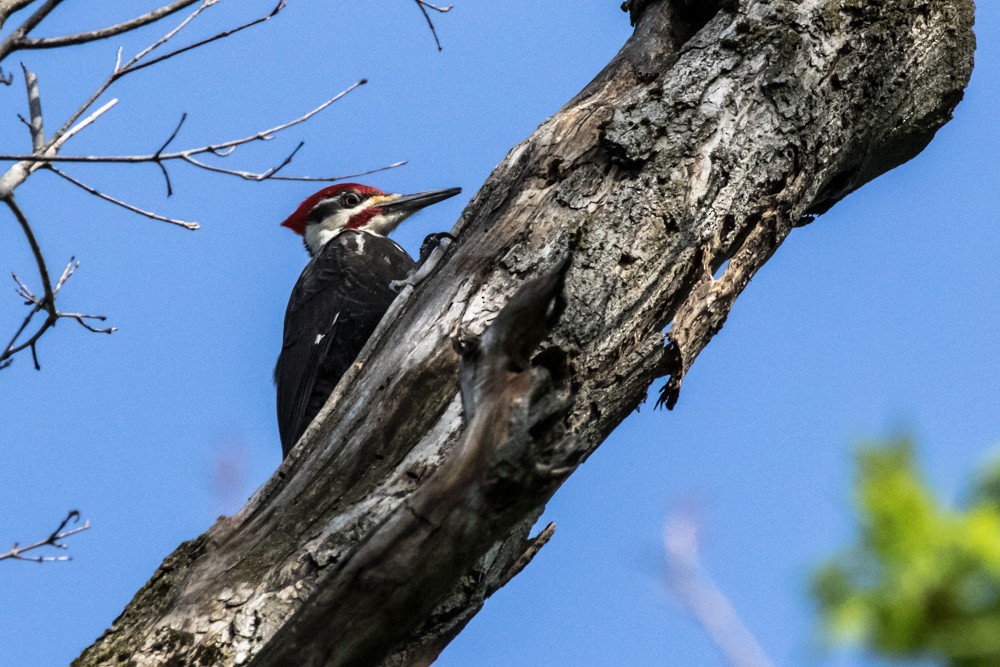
432	252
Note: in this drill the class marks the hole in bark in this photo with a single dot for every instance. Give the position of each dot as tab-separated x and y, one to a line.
728	226
553	170
555	361
626	260
695	14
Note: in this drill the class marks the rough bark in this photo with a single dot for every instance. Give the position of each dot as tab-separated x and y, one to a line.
705	141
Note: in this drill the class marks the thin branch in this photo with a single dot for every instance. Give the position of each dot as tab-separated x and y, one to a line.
135	209
205	4
159	152
55	539
46	302
330	179
704	599
10	43
8	7
83	124
104	33
221	149
225	33
27	164
82	318
20	172
36	125
120	70
424	6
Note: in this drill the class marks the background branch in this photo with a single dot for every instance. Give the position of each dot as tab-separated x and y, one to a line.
46	302
103	33
54	540
11	42
704	599
8	7
36	125
117	202
424	6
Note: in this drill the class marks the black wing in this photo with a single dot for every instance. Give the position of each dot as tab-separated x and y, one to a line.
335	306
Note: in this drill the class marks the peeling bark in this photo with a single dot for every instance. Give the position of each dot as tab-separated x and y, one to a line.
668	182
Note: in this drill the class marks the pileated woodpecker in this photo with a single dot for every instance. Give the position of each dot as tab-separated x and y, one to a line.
342	293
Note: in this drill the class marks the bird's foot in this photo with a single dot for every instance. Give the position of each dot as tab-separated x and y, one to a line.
432	252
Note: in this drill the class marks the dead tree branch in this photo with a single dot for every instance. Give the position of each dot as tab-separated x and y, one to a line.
424	6
703	142
55	540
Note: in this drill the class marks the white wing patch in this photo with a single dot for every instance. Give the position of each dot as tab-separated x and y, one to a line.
320	337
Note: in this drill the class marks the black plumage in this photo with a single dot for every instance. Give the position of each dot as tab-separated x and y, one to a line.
334	308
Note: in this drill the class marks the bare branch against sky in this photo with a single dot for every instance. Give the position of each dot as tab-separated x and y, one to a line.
45	151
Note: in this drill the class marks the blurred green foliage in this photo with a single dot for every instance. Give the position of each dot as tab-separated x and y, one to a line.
924	580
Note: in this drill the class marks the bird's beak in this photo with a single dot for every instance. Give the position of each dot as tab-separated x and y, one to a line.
406	205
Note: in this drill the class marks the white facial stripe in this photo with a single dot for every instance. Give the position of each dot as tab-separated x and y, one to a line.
317	234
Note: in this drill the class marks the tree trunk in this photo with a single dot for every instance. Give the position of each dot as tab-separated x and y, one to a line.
705	141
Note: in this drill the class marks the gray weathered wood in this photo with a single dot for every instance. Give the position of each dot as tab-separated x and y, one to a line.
700	144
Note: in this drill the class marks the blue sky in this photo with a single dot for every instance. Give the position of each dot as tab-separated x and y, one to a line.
877	319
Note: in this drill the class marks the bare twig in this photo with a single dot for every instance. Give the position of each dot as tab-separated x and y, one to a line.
120	70
221	35
704	599
8	7
424	6
18	173
9	44
46	302
330	179
53	540
36	125
117	202
159	152
221	149
104	33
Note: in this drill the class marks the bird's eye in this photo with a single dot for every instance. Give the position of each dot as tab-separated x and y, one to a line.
351	199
